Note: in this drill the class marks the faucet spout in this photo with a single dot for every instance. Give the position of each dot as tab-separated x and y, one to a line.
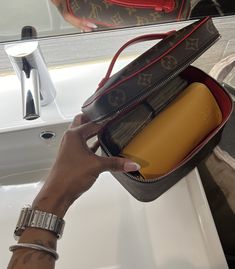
36	85
30	94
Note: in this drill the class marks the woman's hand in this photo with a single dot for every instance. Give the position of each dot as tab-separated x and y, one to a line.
76	168
81	23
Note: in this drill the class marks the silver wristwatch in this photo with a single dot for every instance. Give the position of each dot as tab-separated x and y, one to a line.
30	217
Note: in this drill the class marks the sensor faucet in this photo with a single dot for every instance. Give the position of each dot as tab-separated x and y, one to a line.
36	84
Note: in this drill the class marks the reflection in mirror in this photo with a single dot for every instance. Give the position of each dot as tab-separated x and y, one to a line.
42	15
59	17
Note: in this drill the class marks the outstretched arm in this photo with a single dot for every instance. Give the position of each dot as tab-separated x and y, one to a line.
75	170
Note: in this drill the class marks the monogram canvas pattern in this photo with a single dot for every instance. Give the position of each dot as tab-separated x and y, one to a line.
144	79
111	15
95	12
169	62
131	11
116	98
107	5
157	64
192	44
75	6
117	19
129	89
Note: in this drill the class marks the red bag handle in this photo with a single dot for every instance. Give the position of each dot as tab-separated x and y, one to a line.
159	5
130	42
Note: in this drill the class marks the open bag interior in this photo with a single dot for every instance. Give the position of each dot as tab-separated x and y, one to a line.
162	131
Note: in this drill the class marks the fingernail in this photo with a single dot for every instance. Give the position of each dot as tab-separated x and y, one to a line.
131	166
91	25
87	30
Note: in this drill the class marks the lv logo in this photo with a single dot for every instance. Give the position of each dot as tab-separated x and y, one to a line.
169	62
75	6
131	11
192	44
141	20
117	19
95	11
116	98
144	79
155	16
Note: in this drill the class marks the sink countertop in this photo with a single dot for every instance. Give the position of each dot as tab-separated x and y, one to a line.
108	229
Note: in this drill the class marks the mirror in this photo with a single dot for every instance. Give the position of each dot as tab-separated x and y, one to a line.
99	15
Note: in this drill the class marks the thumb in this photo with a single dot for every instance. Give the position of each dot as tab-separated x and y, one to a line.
118	164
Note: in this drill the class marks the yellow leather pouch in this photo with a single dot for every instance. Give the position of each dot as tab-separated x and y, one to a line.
174	132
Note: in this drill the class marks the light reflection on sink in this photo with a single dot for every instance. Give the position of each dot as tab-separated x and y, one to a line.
73	85
11	108
23	152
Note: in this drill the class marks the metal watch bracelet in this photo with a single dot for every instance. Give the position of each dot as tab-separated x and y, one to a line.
30	217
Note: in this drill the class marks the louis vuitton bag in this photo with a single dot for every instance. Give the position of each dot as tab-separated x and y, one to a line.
127	13
138	95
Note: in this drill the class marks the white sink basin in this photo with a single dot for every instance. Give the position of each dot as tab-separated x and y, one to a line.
73	86
107	228
25	155
11	108
22	151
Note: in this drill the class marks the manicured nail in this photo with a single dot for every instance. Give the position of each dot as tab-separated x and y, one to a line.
91	25
131	166
87	30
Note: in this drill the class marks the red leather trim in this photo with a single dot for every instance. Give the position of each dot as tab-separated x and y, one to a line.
149	64
193	74
130	42
159	5
222	97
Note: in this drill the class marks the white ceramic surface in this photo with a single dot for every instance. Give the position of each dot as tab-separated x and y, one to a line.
73	85
106	228
23	152
25	155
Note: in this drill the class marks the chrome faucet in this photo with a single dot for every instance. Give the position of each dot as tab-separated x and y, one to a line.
36	84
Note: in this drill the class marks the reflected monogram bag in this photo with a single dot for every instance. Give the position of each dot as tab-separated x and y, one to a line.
127	13
133	98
